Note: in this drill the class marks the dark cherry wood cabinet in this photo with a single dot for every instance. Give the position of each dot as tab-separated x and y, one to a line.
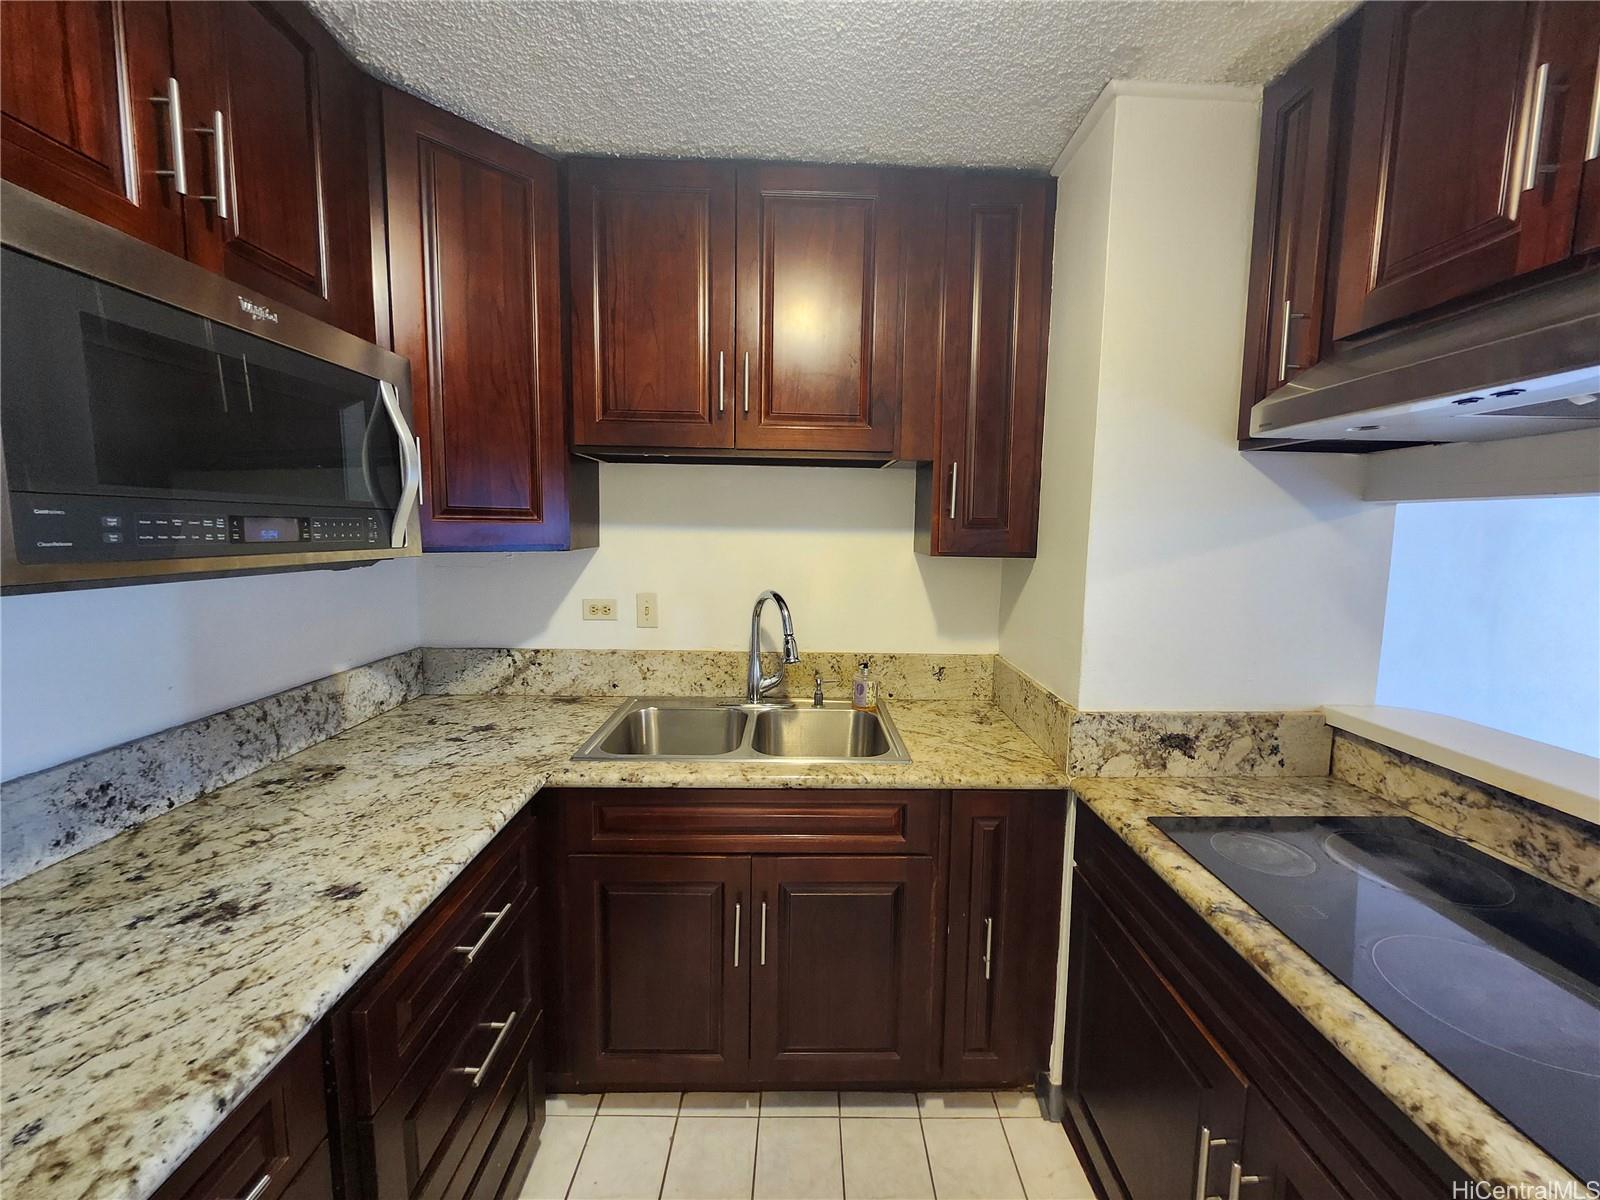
1587	236
752	938
1004	869
273	1146
842	971
1182	1064
231	133
651	260
980	495
474	280
1466	153
659	956
83	111
1293	213
818	289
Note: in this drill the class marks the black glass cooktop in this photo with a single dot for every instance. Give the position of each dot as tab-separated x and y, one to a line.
1494	973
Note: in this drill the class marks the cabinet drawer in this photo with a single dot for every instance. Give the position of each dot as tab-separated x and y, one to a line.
750	822
315	1180
267	1137
399	1013
422	1138
510	1132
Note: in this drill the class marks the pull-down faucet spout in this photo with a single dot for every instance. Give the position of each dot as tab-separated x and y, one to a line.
758	685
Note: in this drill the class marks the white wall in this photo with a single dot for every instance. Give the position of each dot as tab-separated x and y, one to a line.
836	542
1494	616
80	671
1213	580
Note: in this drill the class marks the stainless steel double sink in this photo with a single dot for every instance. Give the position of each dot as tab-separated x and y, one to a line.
680	728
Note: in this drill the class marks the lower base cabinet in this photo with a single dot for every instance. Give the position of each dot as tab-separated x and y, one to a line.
1186	1075
801	939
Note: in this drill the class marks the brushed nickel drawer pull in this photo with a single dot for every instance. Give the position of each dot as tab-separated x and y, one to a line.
494	923
219	164
1284	365
1202	1166
738	912
763	933
1533	153
955	469
1236	1178
179	174
482	1068
1591	144
260	1188
988	945
747	381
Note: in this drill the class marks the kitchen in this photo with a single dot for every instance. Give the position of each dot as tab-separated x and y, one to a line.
753	599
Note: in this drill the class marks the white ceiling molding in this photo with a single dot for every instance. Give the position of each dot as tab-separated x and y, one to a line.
926	82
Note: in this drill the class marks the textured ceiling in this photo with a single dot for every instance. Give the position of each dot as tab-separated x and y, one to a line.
996	83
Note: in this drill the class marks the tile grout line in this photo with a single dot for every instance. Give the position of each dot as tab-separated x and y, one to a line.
927	1158
838	1132
1012	1151
672	1141
572	1179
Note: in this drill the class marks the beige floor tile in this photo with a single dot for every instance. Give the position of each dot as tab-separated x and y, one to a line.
970	1159
560	1146
878	1104
624	1159
800	1104
797	1158
957	1104
1049	1167
640	1104
720	1104
572	1104
713	1158
1017	1104
884	1160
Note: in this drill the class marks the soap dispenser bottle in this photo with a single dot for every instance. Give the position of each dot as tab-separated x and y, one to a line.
864	694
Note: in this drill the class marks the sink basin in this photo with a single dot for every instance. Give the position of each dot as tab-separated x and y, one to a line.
819	733
714	730
659	731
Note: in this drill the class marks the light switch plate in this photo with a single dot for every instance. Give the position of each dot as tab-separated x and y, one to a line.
599	610
648	613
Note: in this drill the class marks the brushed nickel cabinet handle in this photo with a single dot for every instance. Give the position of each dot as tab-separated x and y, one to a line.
722	406
179	172
482	1068
219	164
955	469
1284	365
259	1189
1202	1165
1532	159
988	945
494	923
1591	144
763	933
1236	1179
747	381
737	913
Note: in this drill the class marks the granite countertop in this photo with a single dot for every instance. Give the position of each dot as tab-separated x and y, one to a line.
1468	1130
151	981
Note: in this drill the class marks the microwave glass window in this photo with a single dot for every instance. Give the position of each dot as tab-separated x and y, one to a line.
125	395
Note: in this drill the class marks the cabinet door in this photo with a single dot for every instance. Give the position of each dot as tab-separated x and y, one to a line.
277	141
1588	40
651	259
819	301
1283	325
1153	1097
842	969
988	906
1275	1164
475	291
77	121
1465	154
982	495
659	958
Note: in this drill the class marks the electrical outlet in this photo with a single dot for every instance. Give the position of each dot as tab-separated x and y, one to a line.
599	610
647	615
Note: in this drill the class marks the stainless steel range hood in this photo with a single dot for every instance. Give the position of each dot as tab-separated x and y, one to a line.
1528	364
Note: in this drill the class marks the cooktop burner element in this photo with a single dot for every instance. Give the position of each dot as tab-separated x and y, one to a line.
1410	864
1493	972
1262	853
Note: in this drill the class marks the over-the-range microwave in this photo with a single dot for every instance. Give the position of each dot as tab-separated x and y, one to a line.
157	421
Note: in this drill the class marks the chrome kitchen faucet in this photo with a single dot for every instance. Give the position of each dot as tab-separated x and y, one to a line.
758	685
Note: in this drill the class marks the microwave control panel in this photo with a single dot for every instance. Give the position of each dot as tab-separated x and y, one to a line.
65	529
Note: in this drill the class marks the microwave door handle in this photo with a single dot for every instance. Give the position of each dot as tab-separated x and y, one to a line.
410	464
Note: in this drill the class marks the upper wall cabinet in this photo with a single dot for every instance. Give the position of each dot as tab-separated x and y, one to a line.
651	260
231	133
980	496
1466	152
717	308
475	284
819	297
